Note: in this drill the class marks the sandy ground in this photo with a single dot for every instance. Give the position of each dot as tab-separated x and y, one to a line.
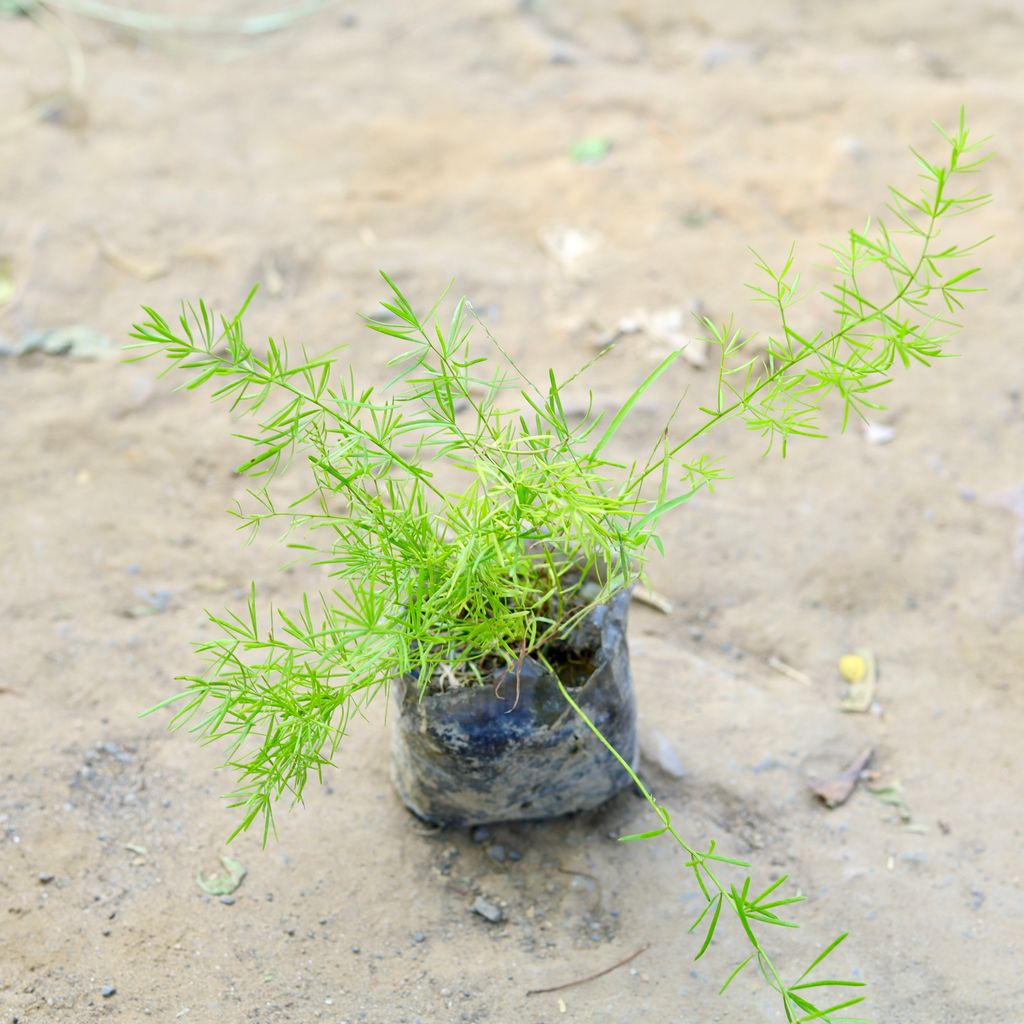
436	147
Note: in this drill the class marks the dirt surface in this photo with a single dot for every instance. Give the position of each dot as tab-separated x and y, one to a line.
376	136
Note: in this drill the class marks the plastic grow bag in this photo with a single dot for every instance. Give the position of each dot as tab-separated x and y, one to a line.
487	753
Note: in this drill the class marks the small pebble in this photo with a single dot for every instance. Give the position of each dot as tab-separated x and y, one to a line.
667	757
481	834
487	910
107	991
356	949
418	937
496	852
514	855
45	877
228	901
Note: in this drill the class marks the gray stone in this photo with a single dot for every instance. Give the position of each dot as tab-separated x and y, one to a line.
487	910
668	759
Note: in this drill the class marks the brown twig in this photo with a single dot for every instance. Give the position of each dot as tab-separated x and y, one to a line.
591	977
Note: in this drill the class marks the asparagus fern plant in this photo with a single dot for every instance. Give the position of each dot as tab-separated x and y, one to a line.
423	575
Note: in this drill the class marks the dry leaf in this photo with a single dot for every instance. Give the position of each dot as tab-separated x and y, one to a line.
224	884
837	790
652	599
890	792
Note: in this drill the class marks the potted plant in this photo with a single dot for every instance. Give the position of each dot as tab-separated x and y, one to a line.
491	601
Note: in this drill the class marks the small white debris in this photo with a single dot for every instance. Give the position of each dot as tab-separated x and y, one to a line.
668	329
878	433
568	247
